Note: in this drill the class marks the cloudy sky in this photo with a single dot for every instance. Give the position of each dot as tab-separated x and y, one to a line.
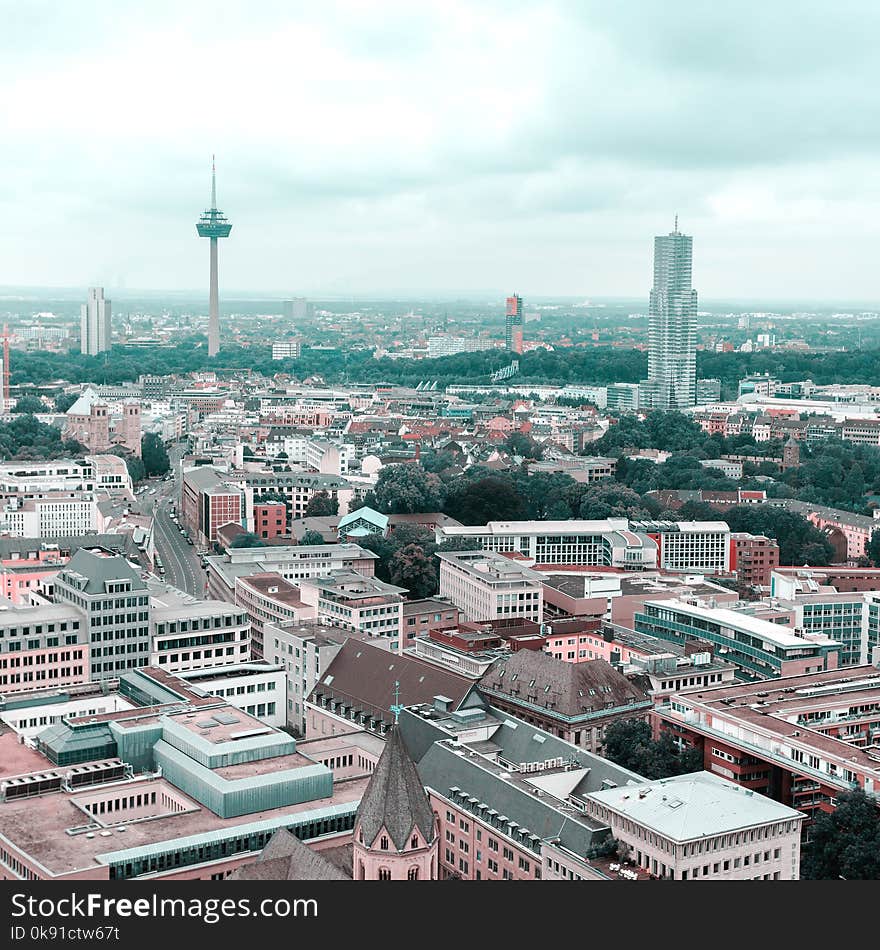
436	147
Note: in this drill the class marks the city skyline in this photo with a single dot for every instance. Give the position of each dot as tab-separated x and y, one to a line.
416	161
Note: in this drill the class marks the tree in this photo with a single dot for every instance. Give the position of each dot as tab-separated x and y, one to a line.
63	401
312	537
628	742
413	569
26	438
321	505
154	455
136	470
518	443
30	405
405	489
800	541
872	549
845	843
247	539
493	498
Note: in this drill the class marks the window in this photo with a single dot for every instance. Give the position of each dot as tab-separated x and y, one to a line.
383	844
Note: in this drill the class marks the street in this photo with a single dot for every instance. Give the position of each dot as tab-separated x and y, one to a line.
182	563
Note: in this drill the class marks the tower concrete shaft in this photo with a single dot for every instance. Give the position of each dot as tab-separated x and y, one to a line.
214	305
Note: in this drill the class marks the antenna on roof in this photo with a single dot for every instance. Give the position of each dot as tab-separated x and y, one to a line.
675	229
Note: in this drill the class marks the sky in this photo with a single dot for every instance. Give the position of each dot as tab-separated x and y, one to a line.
442	147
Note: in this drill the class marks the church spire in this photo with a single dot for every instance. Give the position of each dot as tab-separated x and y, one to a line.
395	799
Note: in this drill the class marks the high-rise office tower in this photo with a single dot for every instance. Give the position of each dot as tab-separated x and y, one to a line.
95	323
297	308
672	326
213	224
513	324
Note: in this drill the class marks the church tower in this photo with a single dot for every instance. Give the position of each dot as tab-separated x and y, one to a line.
395	832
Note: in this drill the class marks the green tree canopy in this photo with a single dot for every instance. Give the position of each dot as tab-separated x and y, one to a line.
846	843
154	455
629	743
321	505
411	567
406	489
63	401
312	537
29	404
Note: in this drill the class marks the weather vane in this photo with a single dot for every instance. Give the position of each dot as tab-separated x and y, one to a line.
396	708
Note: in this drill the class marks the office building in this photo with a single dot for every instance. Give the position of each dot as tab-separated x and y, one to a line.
513	324
95	336
113	600
801	740
485	586
700	827
286	350
575	701
758	647
672	326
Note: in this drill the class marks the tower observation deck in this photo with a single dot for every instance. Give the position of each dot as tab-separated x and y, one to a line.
213	224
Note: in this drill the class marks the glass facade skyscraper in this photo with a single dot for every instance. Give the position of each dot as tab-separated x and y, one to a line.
672	326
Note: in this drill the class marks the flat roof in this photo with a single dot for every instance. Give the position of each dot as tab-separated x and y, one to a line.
774	633
691	806
38	825
775	707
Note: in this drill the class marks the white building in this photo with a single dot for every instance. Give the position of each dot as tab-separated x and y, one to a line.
51	517
95	336
700	827
488	586
354	602
286	350
31	712
190	634
305	651
257	688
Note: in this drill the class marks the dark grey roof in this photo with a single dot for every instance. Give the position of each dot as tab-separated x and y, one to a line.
364	676
445	768
395	799
66	546
569	689
286	858
100	569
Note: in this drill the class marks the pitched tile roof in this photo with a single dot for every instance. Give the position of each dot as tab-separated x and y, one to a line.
570	689
364	676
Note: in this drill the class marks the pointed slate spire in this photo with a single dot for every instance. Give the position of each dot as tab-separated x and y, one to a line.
395	799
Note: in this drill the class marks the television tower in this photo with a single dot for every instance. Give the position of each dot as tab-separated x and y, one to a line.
5	367
213	224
